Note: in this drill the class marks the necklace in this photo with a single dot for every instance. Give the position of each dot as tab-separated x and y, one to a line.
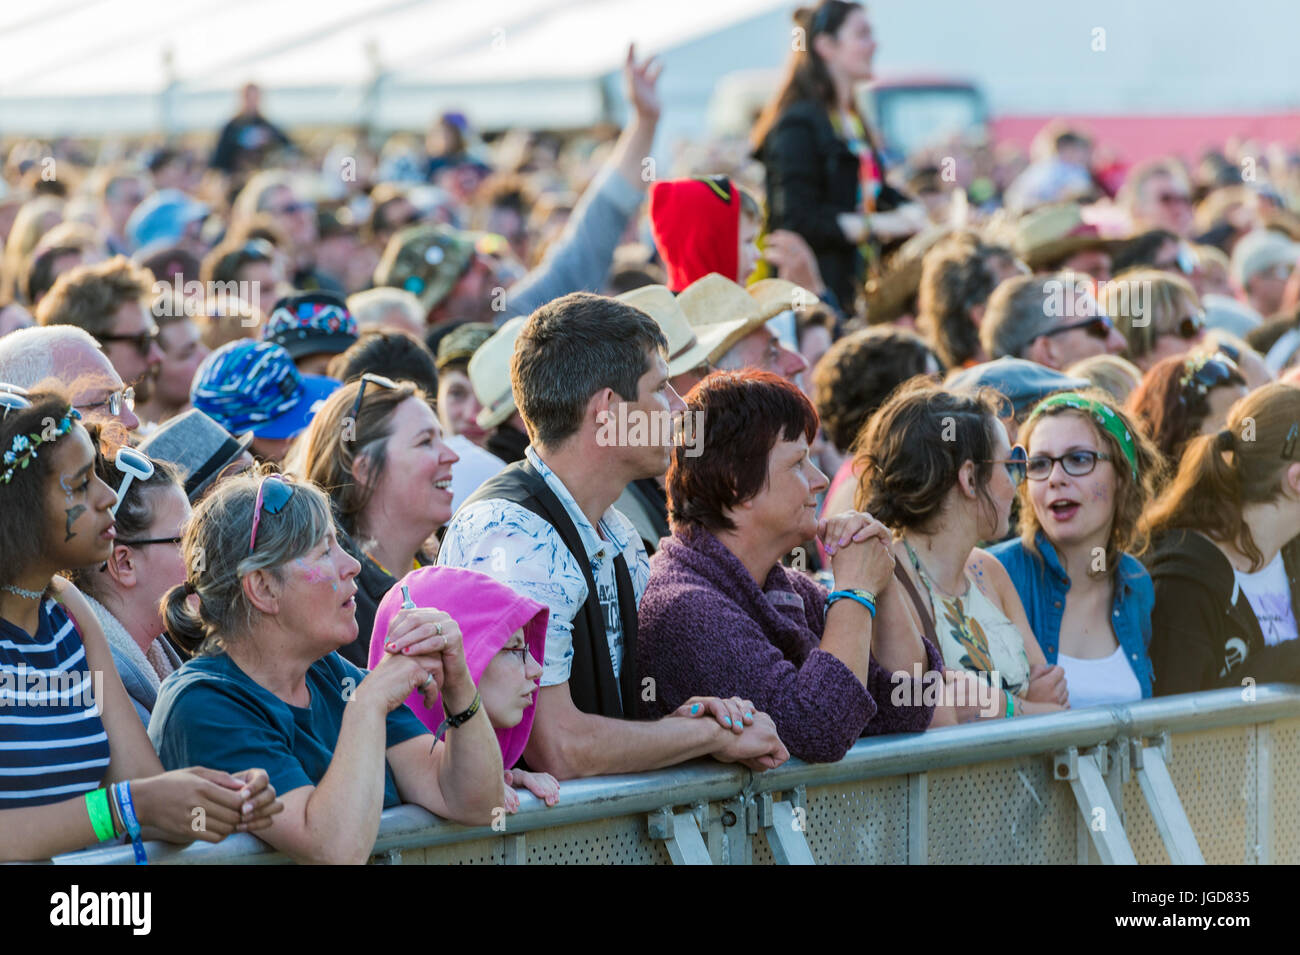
26	594
925	575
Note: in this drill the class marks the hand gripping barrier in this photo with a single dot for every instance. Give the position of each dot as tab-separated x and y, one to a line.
1203	777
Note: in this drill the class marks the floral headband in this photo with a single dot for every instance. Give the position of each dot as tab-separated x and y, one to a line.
22	451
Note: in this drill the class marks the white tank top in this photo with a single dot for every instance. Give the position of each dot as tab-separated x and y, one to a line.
1101	680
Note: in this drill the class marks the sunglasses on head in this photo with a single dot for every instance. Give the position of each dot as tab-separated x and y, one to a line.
12	401
141	340
368	379
1099	326
272	495
1205	372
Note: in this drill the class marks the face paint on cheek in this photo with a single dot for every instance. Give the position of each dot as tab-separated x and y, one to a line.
67	488
311	573
71	515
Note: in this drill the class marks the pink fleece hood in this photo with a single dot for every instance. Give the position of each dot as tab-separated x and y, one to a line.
487	612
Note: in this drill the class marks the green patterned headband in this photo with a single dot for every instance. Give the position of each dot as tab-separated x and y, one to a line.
1110	422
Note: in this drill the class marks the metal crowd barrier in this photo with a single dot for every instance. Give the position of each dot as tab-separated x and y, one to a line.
1211	777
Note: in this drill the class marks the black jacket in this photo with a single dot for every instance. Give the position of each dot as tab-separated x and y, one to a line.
591	679
811	178
1204	634
372	583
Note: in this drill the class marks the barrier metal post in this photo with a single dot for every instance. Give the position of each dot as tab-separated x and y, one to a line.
1102	819
1162	799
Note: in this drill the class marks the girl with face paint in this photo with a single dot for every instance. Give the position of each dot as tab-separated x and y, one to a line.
77	766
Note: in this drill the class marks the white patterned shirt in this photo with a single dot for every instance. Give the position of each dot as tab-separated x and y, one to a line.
524	551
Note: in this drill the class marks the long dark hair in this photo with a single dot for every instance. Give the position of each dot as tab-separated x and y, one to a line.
806	76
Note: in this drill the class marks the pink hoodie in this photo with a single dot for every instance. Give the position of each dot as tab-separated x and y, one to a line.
487	612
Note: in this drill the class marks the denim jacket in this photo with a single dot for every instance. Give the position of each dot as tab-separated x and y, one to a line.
1042	584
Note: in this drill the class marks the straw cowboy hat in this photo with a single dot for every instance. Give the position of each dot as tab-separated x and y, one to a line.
889	294
489	374
1047	236
722	313
774	296
685	351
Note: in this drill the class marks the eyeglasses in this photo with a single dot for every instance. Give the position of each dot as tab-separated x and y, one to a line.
1174	199
289	208
151	540
1099	326
272	494
1288	446
1015	464
142	341
368	379
1077	463
116	402
521	653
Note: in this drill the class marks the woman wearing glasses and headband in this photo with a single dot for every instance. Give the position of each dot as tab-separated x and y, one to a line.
1158	314
376	449
1090	473
267	602
1182	397
937	468
76	766
125	590
1225	560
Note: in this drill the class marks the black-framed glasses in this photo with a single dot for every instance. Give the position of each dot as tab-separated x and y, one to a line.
150	540
367	379
520	652
1099	326
115	402
1079	462
1015	465
272	495
142	341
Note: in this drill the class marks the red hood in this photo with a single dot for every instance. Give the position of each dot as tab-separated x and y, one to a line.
696	225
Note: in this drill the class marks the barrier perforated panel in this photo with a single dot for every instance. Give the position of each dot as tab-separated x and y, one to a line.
1005	812
623	841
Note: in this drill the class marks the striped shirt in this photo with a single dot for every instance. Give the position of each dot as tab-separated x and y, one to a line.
52	741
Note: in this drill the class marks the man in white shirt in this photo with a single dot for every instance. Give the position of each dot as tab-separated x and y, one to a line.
546	526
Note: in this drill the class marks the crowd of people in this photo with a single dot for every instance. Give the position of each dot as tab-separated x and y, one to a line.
337	477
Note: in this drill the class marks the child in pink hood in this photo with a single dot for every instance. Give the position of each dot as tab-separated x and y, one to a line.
504	635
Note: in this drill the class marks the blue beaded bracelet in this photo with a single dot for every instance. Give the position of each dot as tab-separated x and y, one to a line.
864	597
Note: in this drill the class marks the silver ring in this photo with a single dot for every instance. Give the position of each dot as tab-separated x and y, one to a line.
428	678
437	628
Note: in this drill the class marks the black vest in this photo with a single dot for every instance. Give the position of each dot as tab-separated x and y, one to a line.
591	681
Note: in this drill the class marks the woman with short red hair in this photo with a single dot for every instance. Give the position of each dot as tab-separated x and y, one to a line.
721	613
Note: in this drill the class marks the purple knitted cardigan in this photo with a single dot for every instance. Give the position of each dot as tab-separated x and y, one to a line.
705	629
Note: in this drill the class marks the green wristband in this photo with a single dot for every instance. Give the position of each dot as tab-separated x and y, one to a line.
100	817
1011	704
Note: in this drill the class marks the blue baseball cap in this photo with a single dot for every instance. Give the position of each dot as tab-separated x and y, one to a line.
311	323
254	386
163	217
1023	383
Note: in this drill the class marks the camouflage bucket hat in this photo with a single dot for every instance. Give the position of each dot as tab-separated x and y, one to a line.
426	260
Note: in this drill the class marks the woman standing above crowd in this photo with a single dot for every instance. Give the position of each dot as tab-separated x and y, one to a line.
1090	473
825	175
1225	559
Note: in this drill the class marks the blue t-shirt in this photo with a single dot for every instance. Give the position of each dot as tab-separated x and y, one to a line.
210	713
52	741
